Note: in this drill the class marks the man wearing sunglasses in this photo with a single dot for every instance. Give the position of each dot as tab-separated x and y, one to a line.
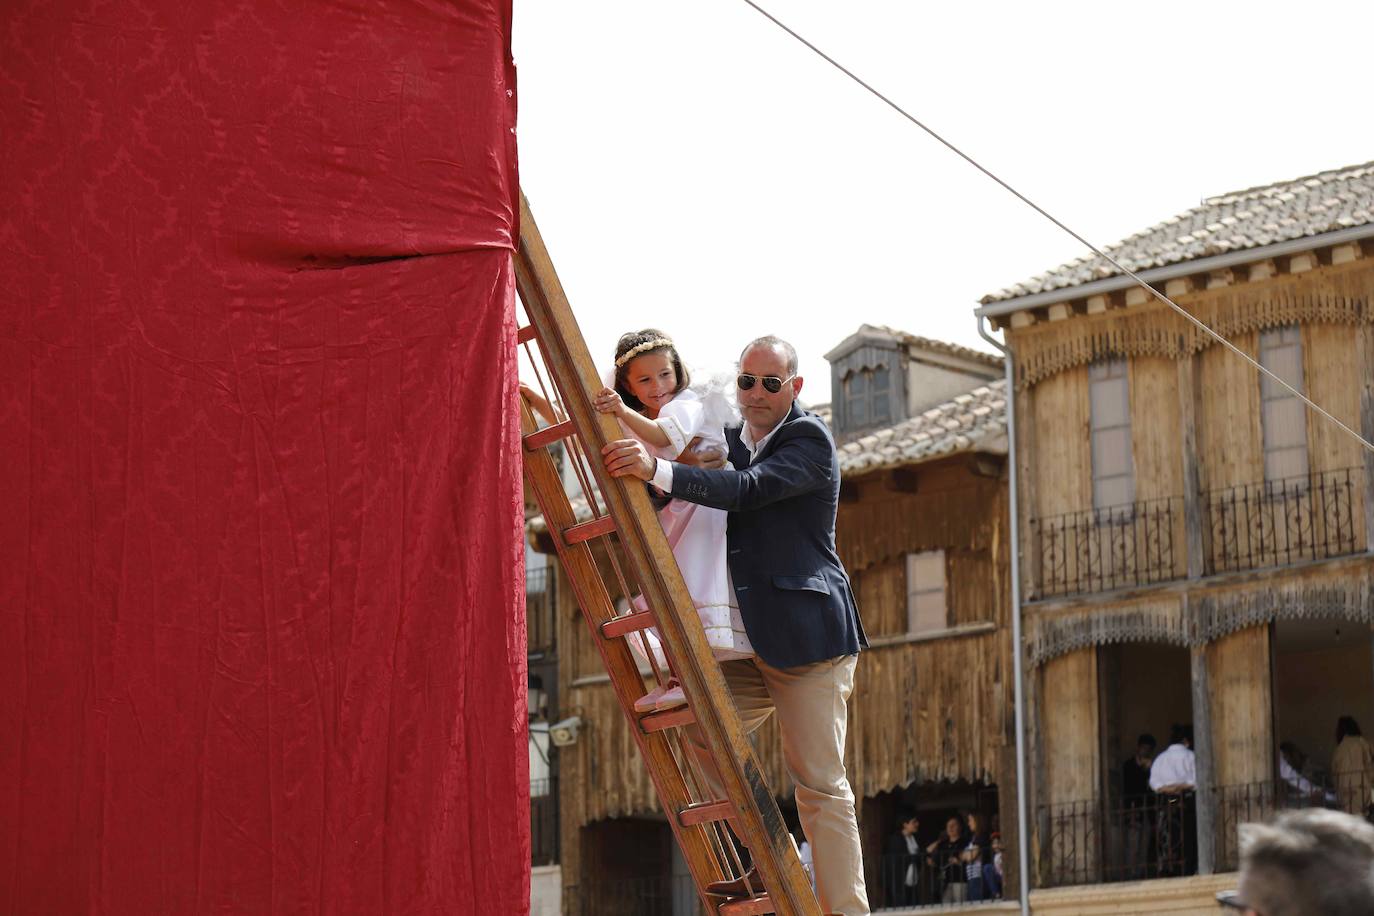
782	491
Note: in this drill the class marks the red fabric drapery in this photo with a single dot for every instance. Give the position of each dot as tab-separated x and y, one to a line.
261	640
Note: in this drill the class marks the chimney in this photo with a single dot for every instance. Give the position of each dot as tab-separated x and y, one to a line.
880	377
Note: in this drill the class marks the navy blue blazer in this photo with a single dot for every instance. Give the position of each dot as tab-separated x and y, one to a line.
793	592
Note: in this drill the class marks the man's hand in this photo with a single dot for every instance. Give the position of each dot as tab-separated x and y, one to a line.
628	458
711	457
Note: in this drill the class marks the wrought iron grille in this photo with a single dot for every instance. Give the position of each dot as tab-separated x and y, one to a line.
541	637
1276	522
1116	547
1260	801
1241	804
543	821
1154	836
1089	842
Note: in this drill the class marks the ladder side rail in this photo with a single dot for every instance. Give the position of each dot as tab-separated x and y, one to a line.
758	818
597	607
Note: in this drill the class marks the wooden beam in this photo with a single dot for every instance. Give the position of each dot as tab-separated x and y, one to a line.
1302	263
1137	295
1192	485
1022	319
1059	311
1178	286
1037	805
1203	756
1262	270
1097	305
1344	254
1219	278
1023	402
1364	342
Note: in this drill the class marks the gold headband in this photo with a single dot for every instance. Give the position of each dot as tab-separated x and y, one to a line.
657	343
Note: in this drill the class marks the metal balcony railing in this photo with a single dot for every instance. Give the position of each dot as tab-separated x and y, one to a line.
543	821
1115	547
1277	522
1089	842
1155	836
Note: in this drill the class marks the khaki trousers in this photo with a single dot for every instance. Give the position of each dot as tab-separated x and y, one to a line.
811	702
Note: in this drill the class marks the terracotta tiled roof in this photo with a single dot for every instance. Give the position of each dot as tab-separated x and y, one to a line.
942	346
1312	205
974	421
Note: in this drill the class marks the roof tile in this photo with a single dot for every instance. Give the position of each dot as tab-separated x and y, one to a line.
1307	206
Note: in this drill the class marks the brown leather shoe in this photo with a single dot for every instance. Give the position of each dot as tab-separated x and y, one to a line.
747	886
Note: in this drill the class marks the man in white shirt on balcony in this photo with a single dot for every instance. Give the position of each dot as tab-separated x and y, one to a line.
1175	770
1173	776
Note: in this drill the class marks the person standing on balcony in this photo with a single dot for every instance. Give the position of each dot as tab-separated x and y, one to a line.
1173	777
976	857
1138	802
1352	767
944	856
902	863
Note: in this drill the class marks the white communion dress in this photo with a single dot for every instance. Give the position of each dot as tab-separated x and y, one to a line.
697	533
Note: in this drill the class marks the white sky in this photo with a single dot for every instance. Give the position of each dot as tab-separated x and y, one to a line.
694	168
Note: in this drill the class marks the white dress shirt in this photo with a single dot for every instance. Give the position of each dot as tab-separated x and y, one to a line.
663	470
1300	782
1176	766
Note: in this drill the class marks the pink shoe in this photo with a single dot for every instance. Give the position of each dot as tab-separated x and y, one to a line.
664	696
672	698
649	702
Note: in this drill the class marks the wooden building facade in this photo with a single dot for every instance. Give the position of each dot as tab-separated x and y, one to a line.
923	529
1195	542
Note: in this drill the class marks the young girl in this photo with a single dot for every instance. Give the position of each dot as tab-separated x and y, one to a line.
651	399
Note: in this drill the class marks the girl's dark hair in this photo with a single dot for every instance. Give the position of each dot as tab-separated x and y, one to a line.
1346	725
634	339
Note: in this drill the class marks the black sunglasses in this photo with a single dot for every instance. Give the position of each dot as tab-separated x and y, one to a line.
771	383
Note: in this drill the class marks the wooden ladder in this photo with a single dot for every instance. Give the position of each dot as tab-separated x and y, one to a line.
618	550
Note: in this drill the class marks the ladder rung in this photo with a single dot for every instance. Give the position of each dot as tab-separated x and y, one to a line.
549	435
525	334
669	718
748	906
624	626
588	530
705	813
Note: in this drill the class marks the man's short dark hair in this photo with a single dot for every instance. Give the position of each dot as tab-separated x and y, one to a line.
1147	739
1309	861
1346	725
768	340
1181	732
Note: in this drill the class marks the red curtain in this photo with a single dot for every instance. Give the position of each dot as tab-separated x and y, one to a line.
261	639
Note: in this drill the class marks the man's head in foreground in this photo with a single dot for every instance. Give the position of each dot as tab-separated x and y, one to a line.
1307	862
